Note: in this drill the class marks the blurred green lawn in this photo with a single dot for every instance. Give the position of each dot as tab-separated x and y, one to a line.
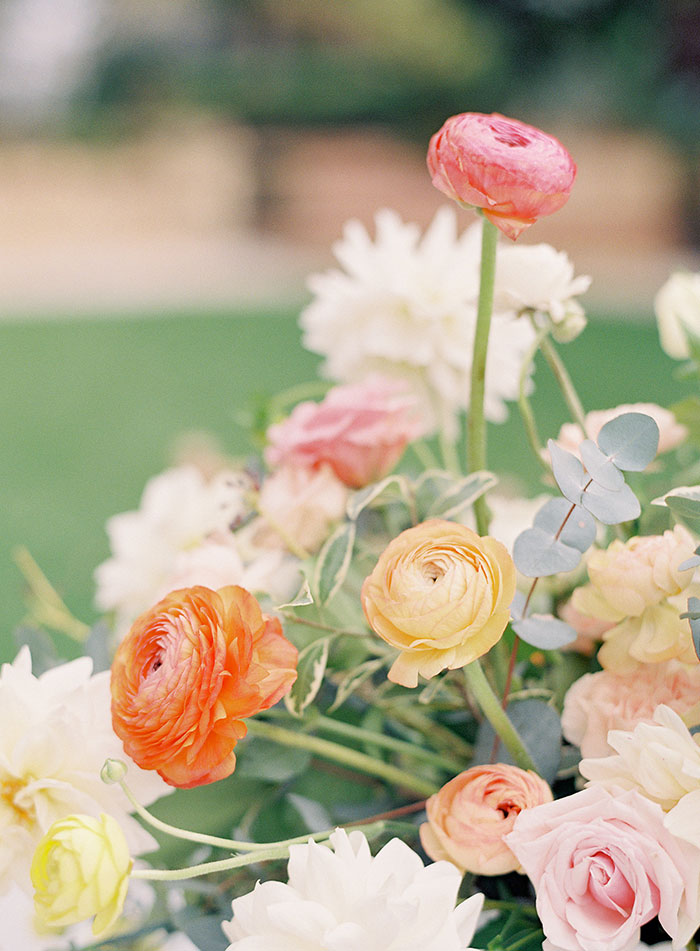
90	410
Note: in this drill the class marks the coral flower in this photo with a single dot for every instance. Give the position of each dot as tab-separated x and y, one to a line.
513	171
185	675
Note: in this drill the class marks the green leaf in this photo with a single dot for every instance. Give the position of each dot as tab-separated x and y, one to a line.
687	412
578	526
460	495
365	497
693	615
540	729
630	441
334	561
301	598
568	472
354	678
684	503
259	758
538	554
311	667
611	507
600	467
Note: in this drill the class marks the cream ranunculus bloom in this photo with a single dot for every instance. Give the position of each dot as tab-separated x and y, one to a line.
638	586
677	307
441	594
661	760
81	868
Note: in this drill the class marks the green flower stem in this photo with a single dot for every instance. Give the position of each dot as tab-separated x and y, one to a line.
337	753
45	604
476	431
448	451
494	713
566	386
263	854
213	840
528	417
388	742
494	904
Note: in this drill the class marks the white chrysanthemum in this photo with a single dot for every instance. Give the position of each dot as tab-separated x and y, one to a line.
180	536
56	734
661	760
345	899
406	306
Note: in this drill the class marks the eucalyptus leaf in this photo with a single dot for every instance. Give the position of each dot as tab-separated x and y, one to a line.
41	647
600	467
538	553
540	730
684	503
544	631
315	816
568	472
455	498
361	499
204	932
611	507
693	615
631	441
579	527
334	561
97	646
311	666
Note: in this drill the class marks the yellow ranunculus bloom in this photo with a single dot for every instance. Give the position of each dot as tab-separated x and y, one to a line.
81	868
442	595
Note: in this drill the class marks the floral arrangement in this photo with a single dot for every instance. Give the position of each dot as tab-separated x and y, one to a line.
425	715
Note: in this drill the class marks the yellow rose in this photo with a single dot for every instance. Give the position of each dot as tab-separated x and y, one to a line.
441	594
81	868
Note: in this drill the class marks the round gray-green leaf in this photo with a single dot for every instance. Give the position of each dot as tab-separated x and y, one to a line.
631	441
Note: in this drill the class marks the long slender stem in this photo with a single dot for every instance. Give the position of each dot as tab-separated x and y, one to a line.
566	385
494	713
476	441
337	753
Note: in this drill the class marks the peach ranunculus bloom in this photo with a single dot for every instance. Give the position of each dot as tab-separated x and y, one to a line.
441	594
514	172
603	701
603	864
360	430
469	816
671	432
589	630
639	587
187	673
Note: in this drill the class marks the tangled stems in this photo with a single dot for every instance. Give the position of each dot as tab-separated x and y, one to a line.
476	425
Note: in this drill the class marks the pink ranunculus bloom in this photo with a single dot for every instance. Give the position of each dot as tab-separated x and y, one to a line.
671	432
360	430
514	172
603	701
603	864
470	815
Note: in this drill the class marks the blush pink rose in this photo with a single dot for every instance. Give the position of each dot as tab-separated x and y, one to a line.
602	865
514	172
603	701
671	432
360	430
470	815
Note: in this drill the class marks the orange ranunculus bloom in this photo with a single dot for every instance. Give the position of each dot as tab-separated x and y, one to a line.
441	594
187	673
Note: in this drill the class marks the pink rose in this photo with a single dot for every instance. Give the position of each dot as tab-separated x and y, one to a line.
470	815
671	432
514	172
603	701
602	866
360	430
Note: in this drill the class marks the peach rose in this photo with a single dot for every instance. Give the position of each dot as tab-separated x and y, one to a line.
360	430
636	585
187	672
603	701
513	171
603	865
671	432
441	594
469	816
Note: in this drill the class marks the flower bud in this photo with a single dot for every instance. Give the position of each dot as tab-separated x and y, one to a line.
81	868
113	771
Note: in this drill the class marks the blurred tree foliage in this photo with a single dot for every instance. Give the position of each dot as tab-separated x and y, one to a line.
409	63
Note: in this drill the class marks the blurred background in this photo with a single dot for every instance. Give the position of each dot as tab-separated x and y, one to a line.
171	170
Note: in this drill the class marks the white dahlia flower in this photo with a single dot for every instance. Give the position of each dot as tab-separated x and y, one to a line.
345	899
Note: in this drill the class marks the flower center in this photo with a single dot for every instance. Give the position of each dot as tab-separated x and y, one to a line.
11	797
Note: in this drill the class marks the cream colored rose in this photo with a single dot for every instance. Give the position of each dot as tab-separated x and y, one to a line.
661	760
81	868
603	701
677	307
639	587
441	594
469	816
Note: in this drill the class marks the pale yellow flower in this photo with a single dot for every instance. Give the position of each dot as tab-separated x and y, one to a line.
81	868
